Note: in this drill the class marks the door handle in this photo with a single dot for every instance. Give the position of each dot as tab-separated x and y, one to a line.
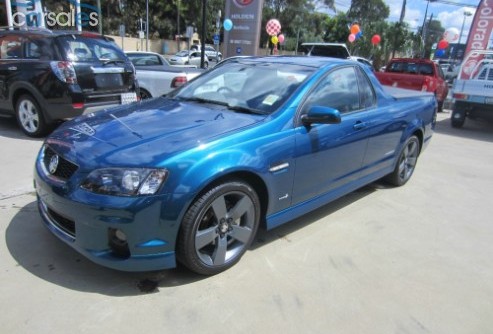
12	68
360	125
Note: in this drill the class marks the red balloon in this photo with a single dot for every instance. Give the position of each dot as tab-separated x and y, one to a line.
375	39
443	44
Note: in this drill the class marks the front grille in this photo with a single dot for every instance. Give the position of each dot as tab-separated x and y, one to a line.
65	168
63	223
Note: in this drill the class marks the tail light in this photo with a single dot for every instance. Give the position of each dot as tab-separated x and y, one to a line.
64	71
460	96
178	81
425	87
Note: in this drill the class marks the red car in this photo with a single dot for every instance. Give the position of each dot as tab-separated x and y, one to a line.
415	74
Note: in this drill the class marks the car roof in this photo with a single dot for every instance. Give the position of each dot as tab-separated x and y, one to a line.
323	43
412	60
310	61
143	52
50	33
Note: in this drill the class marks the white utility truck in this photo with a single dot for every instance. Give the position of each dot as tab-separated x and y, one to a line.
473	89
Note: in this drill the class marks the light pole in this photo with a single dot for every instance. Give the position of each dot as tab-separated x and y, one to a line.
424	28
147	25
202	37
178	24
466	14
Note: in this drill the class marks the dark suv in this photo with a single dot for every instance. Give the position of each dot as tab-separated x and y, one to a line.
47	76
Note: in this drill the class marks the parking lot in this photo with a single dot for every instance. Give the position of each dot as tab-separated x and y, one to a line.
414	259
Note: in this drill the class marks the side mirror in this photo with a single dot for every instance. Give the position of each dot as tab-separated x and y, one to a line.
321	115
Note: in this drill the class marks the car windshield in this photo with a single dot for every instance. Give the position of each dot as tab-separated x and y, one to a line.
182	54
246	85
84	48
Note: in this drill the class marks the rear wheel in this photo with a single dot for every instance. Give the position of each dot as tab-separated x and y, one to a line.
218	228
30	117
458	119
406	163
440	106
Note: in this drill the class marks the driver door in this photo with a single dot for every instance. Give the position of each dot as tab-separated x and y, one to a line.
330	156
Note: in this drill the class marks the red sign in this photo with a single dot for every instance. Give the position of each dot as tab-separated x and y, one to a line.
242	3
479	36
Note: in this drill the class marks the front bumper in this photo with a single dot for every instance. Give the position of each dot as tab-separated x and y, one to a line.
87	224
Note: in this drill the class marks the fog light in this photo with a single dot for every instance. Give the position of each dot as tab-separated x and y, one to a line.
120	235
117	241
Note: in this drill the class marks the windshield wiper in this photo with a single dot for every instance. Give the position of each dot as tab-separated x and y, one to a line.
246	110
201	100
238	108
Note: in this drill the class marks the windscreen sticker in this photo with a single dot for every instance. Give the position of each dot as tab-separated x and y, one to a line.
270	99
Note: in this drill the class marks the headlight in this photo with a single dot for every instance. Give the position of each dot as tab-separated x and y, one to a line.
125	181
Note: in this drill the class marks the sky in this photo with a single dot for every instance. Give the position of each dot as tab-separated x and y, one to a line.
450	15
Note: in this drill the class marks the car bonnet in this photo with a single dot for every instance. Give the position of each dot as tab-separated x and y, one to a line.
145	133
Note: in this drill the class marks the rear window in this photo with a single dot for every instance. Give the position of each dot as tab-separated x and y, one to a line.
335	51
486	74
411	68
83	48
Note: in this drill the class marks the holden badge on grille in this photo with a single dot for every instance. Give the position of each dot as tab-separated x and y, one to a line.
53	164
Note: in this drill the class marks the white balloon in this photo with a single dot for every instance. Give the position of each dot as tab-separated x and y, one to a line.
451	35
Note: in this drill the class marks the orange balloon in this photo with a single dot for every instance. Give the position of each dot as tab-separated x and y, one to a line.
354	29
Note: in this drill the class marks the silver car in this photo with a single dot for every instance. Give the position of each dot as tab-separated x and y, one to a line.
210	51
188	58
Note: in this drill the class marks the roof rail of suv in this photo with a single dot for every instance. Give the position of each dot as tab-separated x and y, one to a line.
4	28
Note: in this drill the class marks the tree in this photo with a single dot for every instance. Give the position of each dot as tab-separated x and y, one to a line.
336	29
434	32
368	11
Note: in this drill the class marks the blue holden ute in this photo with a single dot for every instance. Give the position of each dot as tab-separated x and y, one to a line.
189	177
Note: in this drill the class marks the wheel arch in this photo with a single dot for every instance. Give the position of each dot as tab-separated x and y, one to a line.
141	89
249	177
19	89
419	133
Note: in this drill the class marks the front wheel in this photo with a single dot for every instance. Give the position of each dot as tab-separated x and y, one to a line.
406	163
30	117
218	228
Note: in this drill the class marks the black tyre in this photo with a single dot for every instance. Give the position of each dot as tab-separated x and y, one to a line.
144	94
458	123
440	106
458	119
218	228
30	117
406	163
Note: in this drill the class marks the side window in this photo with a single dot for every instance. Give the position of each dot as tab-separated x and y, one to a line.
32	50
11	47
338	90
367	95
78	51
